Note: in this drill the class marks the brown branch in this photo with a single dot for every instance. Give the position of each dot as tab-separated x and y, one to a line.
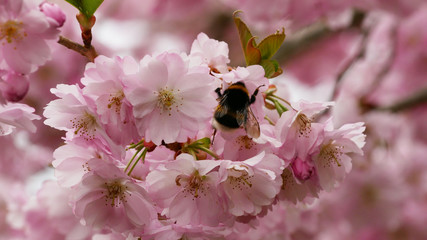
416	99
89	53
356	58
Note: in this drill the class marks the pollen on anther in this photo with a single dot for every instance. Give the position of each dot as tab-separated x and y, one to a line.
330	154
116	193
303	125
12	31
85	126
115	101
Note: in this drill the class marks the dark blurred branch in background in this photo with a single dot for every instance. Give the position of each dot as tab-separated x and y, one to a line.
360	54
302	40
414	100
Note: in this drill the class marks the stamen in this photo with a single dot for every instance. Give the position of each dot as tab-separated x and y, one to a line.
167	99
287	179
304	125
239	179
244	142
116	101
12	31
195	184
331	153
116	193
85	126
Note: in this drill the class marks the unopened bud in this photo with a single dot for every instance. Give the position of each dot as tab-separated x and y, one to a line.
14	86
55	15
85	23
270	90
302	169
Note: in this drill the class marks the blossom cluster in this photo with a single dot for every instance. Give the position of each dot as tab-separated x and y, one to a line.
144	155
141	157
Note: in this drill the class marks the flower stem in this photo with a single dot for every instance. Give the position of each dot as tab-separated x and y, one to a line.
279	107
131	160
207	150
142	156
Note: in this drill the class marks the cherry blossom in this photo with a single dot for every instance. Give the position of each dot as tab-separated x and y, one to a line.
171	101
297	130
24	32
211	52
251	184
107	197
186	190
16	116
49	216
332	162
74	112
103	83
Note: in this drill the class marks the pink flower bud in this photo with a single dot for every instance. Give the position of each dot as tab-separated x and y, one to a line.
53	12
302	169
14	86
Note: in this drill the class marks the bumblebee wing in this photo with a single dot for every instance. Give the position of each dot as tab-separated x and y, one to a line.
241	118
252	125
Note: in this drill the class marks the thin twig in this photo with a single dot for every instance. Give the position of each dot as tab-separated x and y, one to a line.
387	66
89	53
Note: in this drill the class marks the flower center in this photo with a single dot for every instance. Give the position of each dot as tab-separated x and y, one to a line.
85	126
330	154
194	184
116	193
116	101
12	30
166	98
239	178
244	142
304	125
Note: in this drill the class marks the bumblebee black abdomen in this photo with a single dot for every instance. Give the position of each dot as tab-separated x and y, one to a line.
228	120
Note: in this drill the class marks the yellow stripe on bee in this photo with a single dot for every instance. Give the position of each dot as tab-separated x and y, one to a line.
240	87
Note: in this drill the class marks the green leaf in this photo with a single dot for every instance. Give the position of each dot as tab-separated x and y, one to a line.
87	7
271	68
261	53
252	54
245	34
269	45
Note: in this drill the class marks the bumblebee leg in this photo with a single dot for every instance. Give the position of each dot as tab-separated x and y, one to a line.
213	136
218	91
253	97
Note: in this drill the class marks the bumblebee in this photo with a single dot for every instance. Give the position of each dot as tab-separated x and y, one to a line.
234	111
